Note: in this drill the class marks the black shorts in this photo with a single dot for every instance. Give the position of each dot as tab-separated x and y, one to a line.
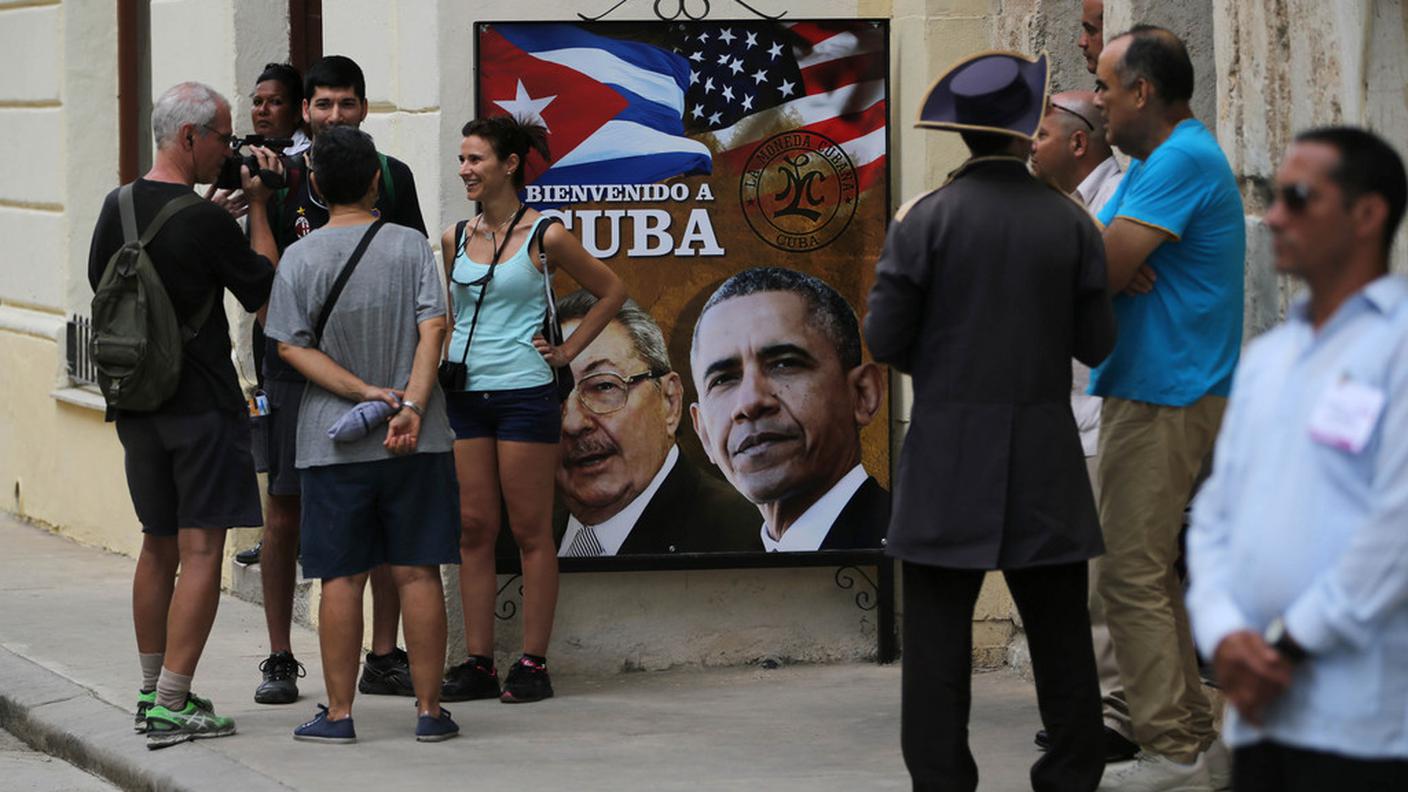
528	415
403	511
190	471
282	427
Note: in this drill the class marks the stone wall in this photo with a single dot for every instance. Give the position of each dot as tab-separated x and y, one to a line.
1284	66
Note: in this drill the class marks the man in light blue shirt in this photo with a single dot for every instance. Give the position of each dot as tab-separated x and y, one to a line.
1298	553
1174	242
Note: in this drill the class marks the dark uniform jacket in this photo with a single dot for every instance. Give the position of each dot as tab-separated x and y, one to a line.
692	512
987	288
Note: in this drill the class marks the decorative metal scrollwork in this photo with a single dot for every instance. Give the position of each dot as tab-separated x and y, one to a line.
685	8
506	609
846	579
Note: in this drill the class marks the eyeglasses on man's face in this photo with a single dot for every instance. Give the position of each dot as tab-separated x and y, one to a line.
226	138
606	391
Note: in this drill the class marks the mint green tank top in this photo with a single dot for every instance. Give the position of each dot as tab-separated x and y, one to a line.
501	355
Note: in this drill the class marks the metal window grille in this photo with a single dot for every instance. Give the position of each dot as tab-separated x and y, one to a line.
80	361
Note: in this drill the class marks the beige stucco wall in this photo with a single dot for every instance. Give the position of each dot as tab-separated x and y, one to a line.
58	120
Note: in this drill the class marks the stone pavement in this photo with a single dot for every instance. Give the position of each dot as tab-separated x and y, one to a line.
68	677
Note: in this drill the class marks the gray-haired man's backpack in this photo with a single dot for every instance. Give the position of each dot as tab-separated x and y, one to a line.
137	339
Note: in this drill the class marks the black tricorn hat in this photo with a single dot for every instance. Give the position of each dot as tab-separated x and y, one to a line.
1002	92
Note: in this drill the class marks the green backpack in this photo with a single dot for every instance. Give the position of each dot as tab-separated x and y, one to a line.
137	339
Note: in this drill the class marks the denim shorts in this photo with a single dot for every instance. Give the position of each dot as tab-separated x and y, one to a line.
403	511
527	415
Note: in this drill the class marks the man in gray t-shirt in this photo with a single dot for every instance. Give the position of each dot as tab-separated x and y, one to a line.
372	331
389	497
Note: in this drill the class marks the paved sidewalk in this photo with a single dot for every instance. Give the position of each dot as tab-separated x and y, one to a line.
68	676
26	770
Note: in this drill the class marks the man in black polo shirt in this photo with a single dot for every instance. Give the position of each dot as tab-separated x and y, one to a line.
335	94
188	462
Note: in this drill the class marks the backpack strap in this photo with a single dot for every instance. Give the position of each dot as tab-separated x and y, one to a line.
341	282
127	208
387	186
167	212
293	171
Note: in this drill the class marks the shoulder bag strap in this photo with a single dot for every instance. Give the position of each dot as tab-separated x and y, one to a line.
460	241
540	237
341	281
489	278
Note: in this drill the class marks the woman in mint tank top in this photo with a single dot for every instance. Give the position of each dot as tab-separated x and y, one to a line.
507	417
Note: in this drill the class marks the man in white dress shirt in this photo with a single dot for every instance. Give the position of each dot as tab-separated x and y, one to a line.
1297	551
783	394
1070	152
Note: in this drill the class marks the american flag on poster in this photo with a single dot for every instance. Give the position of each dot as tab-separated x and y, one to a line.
825	77
621	109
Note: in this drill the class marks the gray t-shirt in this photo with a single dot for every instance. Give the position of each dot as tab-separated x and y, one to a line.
372	331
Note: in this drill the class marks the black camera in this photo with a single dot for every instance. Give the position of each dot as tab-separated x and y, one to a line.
229	178
453	375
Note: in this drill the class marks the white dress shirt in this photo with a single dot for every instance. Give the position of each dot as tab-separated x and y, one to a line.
810	530
1296	523
1099	185
1093	191
612	533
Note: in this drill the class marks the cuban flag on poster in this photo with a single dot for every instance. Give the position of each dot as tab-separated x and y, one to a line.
614	109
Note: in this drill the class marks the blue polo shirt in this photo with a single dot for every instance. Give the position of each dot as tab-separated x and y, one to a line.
1180	342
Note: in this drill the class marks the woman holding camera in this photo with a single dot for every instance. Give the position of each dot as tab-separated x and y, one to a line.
499	378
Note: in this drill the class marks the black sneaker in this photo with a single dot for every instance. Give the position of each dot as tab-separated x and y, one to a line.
468	681
281	675
387	675
526	681
249	557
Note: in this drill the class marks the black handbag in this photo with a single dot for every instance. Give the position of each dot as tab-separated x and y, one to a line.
552	328
454	374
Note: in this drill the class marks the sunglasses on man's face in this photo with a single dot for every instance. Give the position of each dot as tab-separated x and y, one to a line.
1294	196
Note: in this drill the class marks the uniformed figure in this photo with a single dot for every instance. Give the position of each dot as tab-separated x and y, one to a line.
987	288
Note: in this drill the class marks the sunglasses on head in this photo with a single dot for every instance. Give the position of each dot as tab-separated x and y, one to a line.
1082	118
1293	196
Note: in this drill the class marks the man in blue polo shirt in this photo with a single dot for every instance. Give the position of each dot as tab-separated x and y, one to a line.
1175	244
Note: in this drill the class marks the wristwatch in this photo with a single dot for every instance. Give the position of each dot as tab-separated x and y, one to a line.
413	407
1281	640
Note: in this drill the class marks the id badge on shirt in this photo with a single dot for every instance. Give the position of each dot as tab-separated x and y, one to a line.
1346	414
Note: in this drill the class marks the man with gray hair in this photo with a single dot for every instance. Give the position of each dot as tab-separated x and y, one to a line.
627	488
188	463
